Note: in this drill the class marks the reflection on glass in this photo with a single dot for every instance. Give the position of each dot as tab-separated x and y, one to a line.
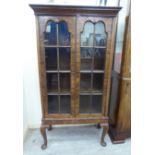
52	82
56	30
96	103
98	82
100	35
53	106
86	58
51	58
85	104
85	82
50	36
64	58
65	106
88	106
64	82
99	58
92	55
93	34
64	35
87	34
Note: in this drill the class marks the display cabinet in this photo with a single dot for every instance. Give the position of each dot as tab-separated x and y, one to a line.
75	52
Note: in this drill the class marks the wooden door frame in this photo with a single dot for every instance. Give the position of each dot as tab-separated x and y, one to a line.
41	22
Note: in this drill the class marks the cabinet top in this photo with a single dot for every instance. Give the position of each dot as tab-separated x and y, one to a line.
41	10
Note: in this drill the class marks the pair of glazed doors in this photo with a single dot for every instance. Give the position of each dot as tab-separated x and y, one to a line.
75	56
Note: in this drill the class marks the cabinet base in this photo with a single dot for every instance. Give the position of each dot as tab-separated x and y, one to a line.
47	124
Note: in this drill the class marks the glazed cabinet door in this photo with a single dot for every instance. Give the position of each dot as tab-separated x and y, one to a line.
93	60
57	35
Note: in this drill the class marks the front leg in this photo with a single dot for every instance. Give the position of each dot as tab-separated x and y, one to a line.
43	133
50	128
98	126
105	131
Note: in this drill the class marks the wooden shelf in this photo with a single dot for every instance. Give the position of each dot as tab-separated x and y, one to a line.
91	71
93	92
104	47
56	46
61	93
56	71
68	71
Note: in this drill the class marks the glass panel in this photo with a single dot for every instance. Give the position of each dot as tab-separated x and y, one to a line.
96	104
92	55
65	106
86	58
99	58
98	82
51	58
53	106
52	82
100	35
64	35
50	36
87	35
85	104
85	82
64	58
64	82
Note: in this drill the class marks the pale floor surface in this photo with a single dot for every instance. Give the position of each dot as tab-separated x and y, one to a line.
79	140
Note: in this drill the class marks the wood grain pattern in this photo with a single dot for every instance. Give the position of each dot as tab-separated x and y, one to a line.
125	104
75	17
120	126
126	56
76	120
71	28
43	10
41	69
109	60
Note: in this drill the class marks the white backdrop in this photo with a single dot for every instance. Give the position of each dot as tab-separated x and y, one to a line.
31	100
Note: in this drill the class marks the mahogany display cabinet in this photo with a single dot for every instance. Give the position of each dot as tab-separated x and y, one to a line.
75	54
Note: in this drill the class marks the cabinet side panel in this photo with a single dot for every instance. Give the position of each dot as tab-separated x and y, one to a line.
109	60
41	65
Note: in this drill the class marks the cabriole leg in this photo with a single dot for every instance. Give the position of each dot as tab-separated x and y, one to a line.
98	126
105	131
43	133
50	128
